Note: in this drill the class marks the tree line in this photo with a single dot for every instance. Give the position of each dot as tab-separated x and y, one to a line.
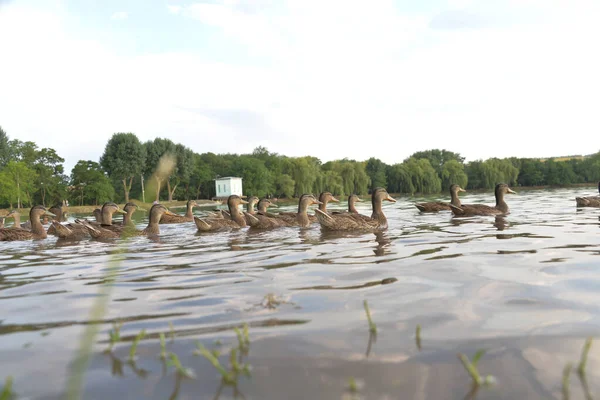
128	170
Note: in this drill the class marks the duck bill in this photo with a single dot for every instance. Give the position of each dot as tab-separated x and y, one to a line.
242	201
461	189
390	198
509	190
141	209
170	213
358	199
316	202
48	213
334	200
121	211
273	205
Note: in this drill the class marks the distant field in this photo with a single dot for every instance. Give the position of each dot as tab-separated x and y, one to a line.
566	158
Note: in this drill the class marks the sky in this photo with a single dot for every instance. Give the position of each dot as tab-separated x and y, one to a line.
327	78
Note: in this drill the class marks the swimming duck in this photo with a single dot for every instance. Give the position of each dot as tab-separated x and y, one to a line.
236	221
300	218
589	201
324	198
60	217
177	219
352	200
263	219
68	232
16	216
37	230
2	222
156	213
350	221
435	206
501	208
129	209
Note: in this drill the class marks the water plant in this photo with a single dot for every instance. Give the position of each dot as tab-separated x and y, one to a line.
180	369
565	380
418	336
134	345
172	331
243	338
7	392
584	356
471	367
352	387
372	326
114	335
163	347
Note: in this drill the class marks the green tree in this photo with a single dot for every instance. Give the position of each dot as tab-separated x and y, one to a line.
399	179
437	158
155	151
4	148
123	159
377	171
91	183
19	183
183	169
284	185
453	172
51	179
423	176
258	181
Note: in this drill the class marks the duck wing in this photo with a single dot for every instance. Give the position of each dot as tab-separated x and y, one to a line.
433	206
14	234
466	210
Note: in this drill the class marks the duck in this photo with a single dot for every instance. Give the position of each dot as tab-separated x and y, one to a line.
589	201
236	221
177	219
2	222
156	213
129	209
262	219
501	208
300	218
324	198
352	200
435	206
60	217
350	221
37	229
16	216
68	232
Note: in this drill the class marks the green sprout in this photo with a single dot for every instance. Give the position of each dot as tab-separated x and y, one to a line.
584	356
418	336
181	370
7	392
471	367
172	331
134	345
243	338
372	326
352	387
227	378
114	335
565	380
163	347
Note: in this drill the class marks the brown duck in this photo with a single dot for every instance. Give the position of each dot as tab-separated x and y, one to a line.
263	219
68	232
589	201
324	198
300	218
350	221
236	221
177	219
435	206
37	229
156	213
501	208
352	200
60	217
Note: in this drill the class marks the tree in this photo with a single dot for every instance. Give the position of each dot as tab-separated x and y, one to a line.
376	170
453	172
258	181
284	185
158	150
123	159
437	158
91	183
19	183
183	169
50	170
4	148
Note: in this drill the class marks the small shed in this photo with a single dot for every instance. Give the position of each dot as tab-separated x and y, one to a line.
228	185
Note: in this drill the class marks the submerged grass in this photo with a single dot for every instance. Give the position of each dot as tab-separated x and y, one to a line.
7	392
372	326
180	369
418	336
471	367
584	356
135	343
114	335
565	380
163	346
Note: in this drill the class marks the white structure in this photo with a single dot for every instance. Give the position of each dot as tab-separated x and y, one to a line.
226	186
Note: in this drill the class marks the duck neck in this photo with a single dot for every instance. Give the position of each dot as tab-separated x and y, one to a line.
323	206
455	201
302	216
17	218
250	208
36	226
351	207
189	212
237	216
500	203
127	218
262	208
107	217
378	211
152	227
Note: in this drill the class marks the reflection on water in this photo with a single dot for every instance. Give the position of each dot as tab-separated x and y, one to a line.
525	287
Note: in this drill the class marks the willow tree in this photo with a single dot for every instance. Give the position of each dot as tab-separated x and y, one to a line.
124	157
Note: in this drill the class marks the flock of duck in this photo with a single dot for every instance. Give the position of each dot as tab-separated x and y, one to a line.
103	226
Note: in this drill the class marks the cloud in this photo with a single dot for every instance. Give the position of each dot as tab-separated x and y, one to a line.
119	15
331	79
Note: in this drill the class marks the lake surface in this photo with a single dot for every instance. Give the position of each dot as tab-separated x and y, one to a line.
526	288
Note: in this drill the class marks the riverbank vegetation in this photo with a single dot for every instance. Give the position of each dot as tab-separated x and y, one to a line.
126	170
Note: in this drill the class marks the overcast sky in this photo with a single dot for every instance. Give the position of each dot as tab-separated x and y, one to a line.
329	78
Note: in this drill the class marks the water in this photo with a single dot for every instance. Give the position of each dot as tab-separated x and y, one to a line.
525	288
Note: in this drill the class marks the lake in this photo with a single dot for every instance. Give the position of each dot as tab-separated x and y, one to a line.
525	288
